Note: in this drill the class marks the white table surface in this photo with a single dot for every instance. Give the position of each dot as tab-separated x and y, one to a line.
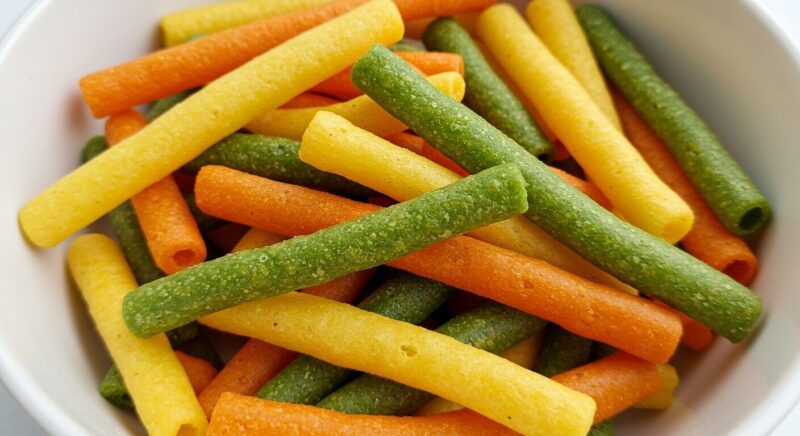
15	421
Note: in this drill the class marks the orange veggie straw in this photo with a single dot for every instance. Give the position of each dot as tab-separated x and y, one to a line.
168	226
252	366
587	188
195	63
696	336
241	415
199	371
428	63
598	312
708	240
421	147
308	99
257	361
615	382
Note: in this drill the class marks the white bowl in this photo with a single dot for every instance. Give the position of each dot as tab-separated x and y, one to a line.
721	55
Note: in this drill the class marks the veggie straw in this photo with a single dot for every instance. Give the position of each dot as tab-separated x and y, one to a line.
633	256
429	63
179	27
609	160
426	360
486	93
404	297
209	115
365	113
272	157
619	318
103	277
373	240
662	399
199	371
491	327
333	144
720	180
561	351
169	228
126	226
239	415
203	60
257	361
708	240
554	21
615	382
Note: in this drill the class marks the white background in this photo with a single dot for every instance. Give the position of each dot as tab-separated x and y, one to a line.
14	420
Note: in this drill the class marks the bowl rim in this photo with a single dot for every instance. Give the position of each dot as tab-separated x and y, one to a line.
49	417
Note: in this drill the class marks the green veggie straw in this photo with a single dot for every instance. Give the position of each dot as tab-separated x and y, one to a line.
126	227
493	195
274	158
487	94
721	181
633	256
561	351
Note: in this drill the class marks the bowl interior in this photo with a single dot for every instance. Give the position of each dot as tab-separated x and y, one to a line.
721	55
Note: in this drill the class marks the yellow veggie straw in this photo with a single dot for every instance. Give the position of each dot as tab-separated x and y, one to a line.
164	398
401	174
179	26
362	110
523	354
662	399
605	154
488	384
219	109
555	23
